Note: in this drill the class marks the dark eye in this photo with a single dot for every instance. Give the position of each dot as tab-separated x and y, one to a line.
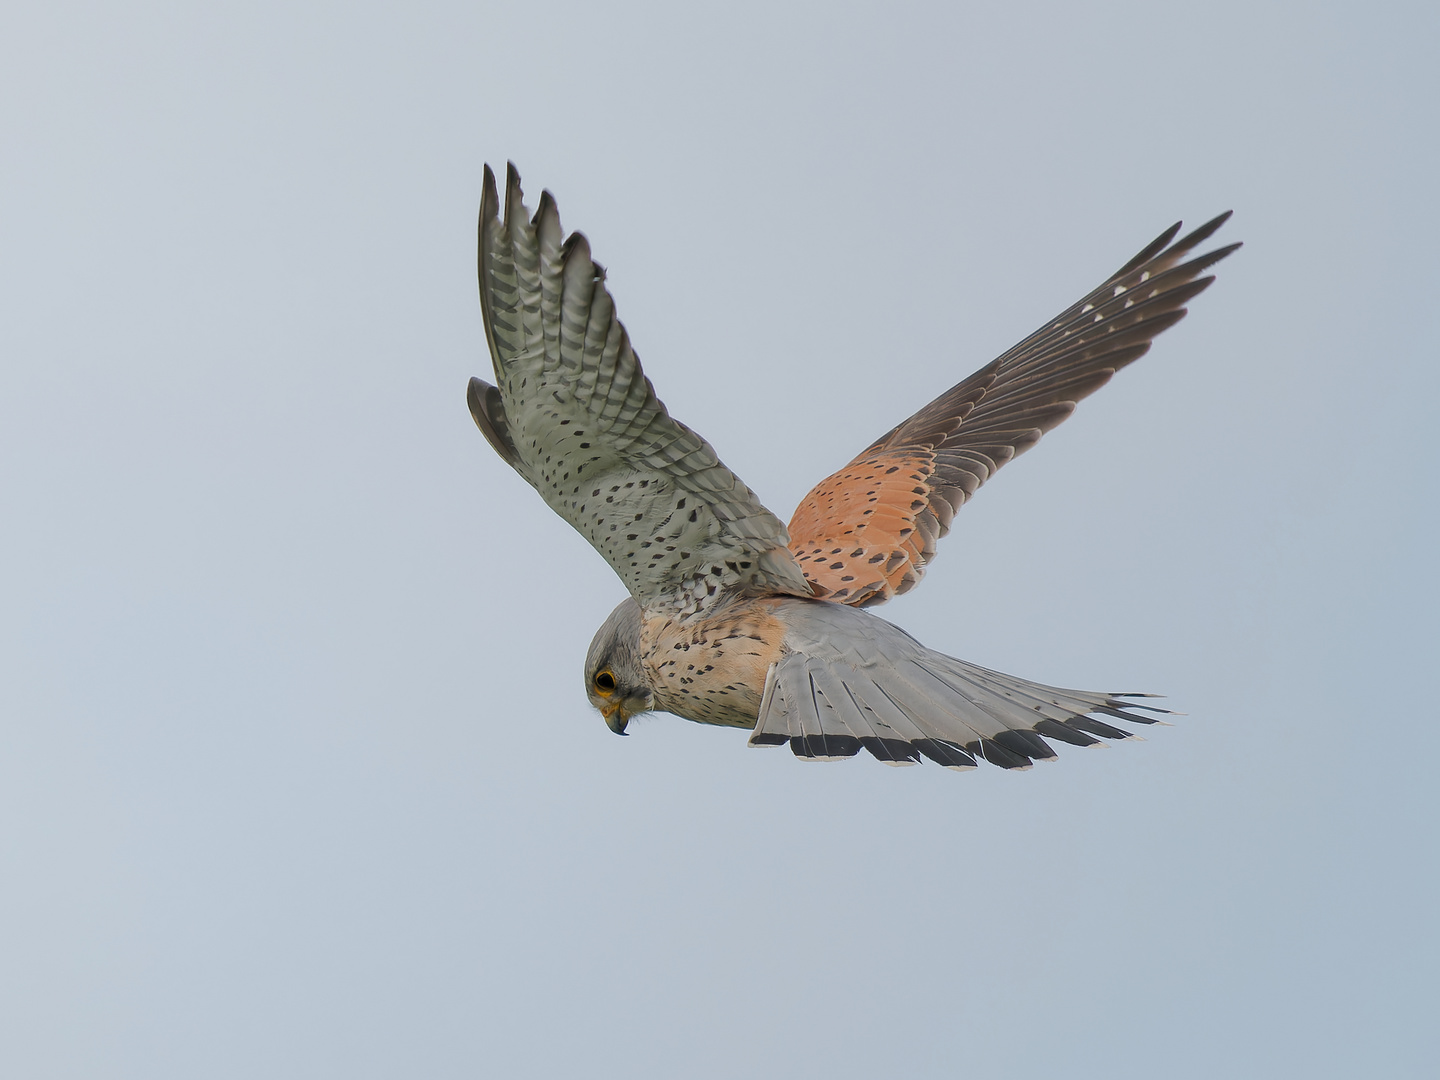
605	682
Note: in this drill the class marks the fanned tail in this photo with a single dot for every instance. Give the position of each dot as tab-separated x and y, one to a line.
846	686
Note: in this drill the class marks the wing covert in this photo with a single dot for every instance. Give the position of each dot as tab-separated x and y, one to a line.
866	533
574	414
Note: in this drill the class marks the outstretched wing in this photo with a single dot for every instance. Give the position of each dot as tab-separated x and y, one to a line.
866	533
577	418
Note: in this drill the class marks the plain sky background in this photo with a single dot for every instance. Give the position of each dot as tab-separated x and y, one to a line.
297	775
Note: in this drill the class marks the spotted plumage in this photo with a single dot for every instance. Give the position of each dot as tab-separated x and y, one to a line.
713	669
859	536
736	621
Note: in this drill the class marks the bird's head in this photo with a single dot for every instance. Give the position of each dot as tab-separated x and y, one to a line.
615	680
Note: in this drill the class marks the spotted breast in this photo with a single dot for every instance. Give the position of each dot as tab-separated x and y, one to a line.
712	669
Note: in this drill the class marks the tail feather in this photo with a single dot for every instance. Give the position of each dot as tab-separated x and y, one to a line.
842	688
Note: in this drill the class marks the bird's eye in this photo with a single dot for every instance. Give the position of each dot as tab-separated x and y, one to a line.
605	682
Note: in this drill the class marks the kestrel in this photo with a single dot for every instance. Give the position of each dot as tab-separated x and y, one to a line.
732	618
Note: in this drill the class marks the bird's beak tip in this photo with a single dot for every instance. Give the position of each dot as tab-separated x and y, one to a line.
615	718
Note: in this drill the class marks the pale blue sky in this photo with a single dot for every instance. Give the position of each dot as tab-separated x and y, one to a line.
297	776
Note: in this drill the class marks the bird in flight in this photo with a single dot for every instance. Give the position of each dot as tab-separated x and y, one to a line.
735	620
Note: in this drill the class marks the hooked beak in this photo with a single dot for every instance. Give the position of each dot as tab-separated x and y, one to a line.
615	718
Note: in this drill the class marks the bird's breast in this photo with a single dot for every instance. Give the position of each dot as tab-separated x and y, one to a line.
712	669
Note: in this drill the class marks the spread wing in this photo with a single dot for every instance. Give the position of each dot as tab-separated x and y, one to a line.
576	417
866	533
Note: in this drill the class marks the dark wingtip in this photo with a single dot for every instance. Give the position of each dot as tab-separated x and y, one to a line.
489	197
1166	243
1221	253
514	194
1204	232
546	205
1149	251
474	395
576	246
1198	236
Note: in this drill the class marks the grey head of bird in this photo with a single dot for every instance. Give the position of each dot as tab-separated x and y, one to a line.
615	679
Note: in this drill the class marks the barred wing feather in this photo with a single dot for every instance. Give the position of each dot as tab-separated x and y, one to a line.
574	414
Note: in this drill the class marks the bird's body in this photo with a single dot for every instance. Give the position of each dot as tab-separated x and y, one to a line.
736	621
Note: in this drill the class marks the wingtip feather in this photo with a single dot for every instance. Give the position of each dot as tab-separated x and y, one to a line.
489	196
514	197
576	246
546	221
1204	232
1149	251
